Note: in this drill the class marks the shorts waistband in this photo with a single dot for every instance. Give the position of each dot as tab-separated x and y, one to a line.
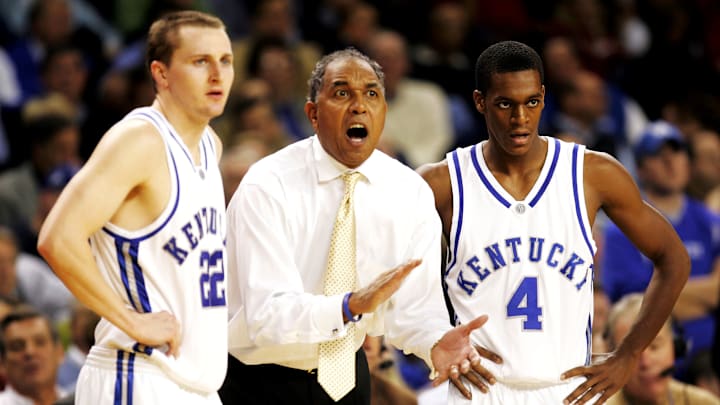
527	384
112	359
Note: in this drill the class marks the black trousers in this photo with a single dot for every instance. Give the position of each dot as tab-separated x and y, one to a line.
270	384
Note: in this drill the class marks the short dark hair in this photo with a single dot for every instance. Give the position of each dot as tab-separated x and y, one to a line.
20	313
504	57
262	45
316	78
162	37
42	129
59	50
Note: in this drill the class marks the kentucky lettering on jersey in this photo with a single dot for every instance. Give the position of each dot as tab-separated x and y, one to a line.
498	259
207	221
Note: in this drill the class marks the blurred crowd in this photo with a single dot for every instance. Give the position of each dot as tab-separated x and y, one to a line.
637	79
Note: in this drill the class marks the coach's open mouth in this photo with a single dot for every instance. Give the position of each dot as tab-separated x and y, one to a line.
357	131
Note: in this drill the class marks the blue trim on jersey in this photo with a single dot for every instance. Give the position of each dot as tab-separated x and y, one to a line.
153	232
577	198
118	378
486	182
133	250
184	149
130	377
140	290
588	340
461	205
204	151
211	142
122	267
549	176
170	131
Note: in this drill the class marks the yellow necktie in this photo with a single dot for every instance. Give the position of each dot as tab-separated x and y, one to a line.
336	360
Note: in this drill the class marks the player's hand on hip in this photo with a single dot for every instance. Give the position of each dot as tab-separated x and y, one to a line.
158	329
454	356
604	379
366	299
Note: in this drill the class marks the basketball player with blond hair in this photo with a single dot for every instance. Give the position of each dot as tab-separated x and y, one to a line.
138	234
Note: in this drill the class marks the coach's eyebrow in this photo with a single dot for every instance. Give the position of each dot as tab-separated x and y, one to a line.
341	83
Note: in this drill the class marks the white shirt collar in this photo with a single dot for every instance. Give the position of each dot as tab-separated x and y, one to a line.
328	168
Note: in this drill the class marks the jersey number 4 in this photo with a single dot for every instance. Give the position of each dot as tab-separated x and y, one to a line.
212	279
524	303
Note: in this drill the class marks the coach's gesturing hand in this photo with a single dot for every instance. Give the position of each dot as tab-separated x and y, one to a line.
366	299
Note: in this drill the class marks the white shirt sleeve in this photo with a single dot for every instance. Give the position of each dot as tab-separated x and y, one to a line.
417	317
261	260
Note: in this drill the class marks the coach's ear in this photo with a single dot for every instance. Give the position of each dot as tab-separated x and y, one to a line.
479	101
311	113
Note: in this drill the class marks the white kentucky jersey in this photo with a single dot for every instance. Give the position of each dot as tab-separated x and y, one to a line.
175	264
528	264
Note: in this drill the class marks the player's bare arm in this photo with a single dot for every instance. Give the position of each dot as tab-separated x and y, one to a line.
700	295
119	183
610	187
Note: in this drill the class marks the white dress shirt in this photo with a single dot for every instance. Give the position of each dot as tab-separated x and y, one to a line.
280	221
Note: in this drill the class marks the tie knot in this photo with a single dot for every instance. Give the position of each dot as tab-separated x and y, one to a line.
350	179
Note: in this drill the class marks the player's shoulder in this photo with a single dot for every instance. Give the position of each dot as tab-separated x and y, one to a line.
136	140
134	130
601	163
434	171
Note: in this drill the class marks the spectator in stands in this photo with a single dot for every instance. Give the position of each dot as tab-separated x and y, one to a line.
601	308
237	159
27	278
386	385
273	61
30	352
444	59
276	19
255	118
620	117
54	142
82	336
705	166
51	24
651	382
418	124
64	71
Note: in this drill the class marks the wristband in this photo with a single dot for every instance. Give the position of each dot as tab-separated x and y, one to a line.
346	309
